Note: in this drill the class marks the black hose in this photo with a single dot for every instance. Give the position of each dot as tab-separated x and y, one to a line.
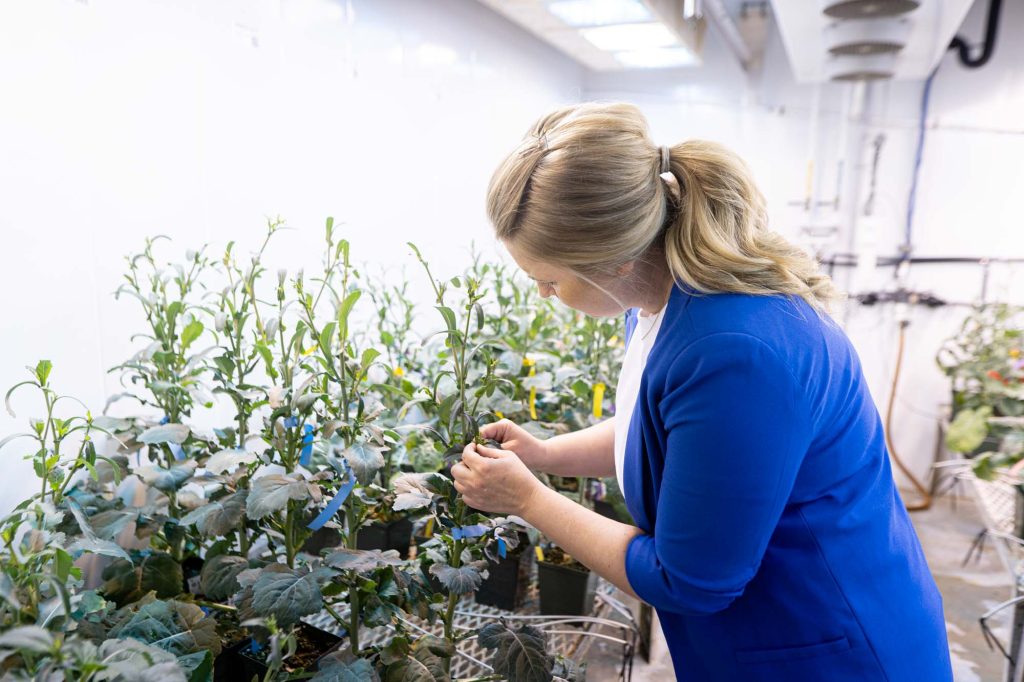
991	28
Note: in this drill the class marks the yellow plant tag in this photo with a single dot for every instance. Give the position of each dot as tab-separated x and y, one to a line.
540	553
428	530
499	415
528	362
533	403
598	399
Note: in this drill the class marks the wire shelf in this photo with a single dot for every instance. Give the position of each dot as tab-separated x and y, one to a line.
611	623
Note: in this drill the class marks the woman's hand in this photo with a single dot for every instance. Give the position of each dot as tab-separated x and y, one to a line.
531	450
494	480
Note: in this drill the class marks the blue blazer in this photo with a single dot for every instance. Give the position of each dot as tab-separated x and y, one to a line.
775	544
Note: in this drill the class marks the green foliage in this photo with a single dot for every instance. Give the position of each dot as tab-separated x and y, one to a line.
520	653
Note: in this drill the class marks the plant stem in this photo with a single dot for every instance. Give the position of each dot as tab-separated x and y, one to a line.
218	607
353	630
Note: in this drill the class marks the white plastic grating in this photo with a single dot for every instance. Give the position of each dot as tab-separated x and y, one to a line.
611	623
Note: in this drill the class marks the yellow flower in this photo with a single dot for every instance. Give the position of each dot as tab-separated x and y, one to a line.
598	399
499	415
1015	353
399	372
528	362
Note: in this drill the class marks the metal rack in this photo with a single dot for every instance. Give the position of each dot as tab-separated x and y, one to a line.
612	622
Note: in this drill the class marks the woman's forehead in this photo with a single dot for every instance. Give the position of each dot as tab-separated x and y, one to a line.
534	267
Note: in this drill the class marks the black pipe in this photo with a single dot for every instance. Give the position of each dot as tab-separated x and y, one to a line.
991	28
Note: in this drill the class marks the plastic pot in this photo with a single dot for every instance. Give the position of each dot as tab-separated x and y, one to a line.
508	580
396	535
241	663
565	590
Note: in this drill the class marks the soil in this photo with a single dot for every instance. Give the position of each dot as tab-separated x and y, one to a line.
308	650
556	555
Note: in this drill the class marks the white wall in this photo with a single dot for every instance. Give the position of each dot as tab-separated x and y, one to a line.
121	119
126	118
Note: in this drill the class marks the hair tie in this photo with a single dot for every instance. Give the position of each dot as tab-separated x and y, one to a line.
675	192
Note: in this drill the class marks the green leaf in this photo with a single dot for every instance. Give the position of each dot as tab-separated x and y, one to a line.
449	317
429	662
363	560
346	308
111	523
219	577
520	654
8	592
327	336
219	517
198	667
271	493
43	368
179	628
365	459
333	669
413	491
125	582
129	660
369	355
30	638
225	364
165	433
286	594
62	563
168	480
461	580
968	431
192	331
226	461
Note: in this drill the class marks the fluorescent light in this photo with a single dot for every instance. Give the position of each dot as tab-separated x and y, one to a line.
630	36
656	58
577	13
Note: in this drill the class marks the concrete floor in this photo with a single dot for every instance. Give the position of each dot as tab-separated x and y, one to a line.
946	531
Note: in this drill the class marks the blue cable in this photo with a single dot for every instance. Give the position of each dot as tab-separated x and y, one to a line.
912	200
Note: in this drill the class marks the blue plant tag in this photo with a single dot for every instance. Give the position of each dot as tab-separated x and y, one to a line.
502	550
291	422
307	446
335	504
466	532
165	420
178	451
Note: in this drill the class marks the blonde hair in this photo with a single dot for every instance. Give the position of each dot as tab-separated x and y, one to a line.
583	191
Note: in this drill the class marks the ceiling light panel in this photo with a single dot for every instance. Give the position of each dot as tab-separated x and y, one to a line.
582	13
657	58
623	37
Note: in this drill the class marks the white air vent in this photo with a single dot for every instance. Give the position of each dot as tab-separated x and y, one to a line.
866	39
868	9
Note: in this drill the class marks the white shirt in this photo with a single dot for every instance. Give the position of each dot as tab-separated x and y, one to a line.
628	388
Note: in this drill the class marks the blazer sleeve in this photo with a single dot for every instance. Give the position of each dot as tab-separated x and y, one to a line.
738	427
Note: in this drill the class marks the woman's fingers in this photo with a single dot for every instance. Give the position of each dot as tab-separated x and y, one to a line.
498	431
491	453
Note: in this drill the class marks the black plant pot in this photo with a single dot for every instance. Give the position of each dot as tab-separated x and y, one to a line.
565	590
396	535
319	540
191	568
508	580
606	509
241	663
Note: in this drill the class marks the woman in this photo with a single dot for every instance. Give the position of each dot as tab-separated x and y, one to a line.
770	536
